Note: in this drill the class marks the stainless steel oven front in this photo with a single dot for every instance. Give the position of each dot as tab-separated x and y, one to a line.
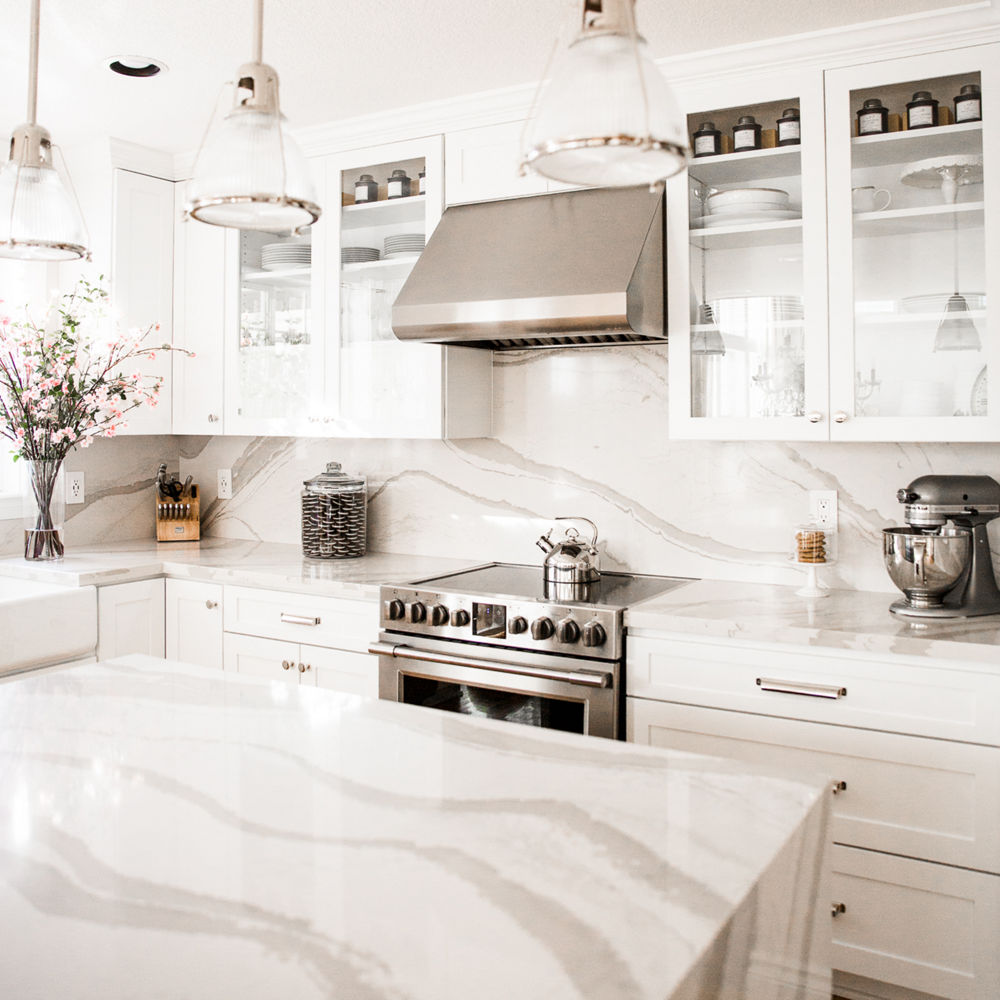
573	694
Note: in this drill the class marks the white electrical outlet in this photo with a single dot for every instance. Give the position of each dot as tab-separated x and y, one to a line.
823	508
74	487
225	491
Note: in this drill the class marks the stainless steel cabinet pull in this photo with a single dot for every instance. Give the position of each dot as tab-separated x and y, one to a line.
587	678
840	417
836	909
211	604
303	667
287	664
288	619
801	687
839	786
815	417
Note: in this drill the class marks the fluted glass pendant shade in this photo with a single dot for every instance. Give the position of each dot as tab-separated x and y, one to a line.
607	117
250	172
706	339
956	331
40	218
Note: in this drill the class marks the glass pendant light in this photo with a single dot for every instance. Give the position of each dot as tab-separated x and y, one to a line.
956	331
40	218
607	118
250	172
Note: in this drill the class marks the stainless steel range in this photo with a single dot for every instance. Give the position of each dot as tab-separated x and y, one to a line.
502	641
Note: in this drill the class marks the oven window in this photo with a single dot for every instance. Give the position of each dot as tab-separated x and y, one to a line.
491	703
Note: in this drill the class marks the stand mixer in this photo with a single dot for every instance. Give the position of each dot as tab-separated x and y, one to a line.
942	561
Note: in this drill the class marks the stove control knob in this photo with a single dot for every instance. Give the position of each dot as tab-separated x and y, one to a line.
542	628
395	609
567	631
594	634
460	618
416	612
517	625
439	614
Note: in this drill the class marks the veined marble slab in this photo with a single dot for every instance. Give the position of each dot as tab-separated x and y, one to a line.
228	560
175	831
846	619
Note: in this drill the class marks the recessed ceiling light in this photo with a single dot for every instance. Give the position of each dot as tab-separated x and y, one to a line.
135	65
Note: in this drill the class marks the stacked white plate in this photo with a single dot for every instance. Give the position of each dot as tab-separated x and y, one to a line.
403	245
739	206
358	255
285	256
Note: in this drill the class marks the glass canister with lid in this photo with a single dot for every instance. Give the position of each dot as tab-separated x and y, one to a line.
334	515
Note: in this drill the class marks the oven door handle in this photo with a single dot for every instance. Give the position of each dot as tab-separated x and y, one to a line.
587	678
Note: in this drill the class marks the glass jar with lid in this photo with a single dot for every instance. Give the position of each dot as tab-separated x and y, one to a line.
922	111
969	104
873	117
746	134
334	515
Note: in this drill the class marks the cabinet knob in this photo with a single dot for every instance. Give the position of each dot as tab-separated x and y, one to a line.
839	786
836	909
303	667
287	664
211	604
815	417
840	417
213	418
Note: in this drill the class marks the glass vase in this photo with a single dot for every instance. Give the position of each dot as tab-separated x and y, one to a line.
44	509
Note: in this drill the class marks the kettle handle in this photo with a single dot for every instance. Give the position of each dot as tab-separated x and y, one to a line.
593	527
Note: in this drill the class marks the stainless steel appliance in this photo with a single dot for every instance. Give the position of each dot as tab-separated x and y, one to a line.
942	561
576	267
489	642
570	562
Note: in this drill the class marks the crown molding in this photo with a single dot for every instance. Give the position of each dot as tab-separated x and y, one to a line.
142	159
928	31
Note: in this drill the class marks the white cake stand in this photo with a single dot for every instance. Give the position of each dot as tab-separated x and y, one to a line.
948	173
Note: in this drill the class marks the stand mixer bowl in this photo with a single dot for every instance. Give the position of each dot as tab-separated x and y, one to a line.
925	567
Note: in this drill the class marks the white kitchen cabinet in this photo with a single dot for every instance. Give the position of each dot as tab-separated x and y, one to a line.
130	619
912	749
267	658
142	281
194	622
482	164
901	266
199	323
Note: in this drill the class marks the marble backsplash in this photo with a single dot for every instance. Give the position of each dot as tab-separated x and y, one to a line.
577	431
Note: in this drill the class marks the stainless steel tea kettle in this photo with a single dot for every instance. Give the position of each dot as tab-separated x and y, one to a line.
571	560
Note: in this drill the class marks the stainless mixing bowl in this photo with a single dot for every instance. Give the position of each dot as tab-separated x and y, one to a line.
925	567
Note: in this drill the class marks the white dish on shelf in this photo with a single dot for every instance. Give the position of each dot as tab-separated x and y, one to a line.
936	302
746	218
402	255
734	197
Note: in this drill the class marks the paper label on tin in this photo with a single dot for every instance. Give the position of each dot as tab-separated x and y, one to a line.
968	111
395	189
704	144
744	139
361	194
872	122
921	116
789	130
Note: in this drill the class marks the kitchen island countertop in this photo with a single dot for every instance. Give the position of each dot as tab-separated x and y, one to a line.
176	831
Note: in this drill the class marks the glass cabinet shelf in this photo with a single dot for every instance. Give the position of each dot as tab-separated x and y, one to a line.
924	219
754	234
299	277
391	212
731	168
916	144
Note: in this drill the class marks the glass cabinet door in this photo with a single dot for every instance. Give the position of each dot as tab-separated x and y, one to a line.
912	336
754	309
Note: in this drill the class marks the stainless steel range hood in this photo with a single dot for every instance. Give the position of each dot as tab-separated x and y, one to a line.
577	267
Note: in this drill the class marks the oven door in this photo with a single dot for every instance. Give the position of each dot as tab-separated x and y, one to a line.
551	692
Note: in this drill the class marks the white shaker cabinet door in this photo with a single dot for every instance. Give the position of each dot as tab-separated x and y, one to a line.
482	164
343	670
194	622
142	280
268	658
130	619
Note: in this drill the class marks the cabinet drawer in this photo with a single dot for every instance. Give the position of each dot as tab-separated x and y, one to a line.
893	693
917	925
319	621
905	794
339	670
265	658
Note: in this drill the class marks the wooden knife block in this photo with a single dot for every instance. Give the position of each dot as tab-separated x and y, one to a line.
181	521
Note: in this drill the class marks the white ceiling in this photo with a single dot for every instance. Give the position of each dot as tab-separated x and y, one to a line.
336	59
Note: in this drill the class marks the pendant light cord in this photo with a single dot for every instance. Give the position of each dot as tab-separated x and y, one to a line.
258	31
33	63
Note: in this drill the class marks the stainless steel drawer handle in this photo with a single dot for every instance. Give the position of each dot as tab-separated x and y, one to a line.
836	909
839	786
587	678
288	619
801	687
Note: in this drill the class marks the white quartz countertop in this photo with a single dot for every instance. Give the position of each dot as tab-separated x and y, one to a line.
178	831
846	619
227	560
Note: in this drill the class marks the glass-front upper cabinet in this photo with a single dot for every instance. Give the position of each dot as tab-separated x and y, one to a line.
747	295
913	230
